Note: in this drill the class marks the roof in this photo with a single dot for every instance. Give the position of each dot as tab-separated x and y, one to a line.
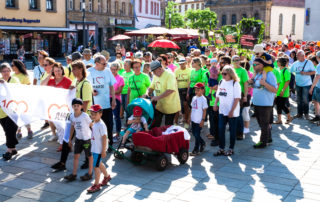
289	3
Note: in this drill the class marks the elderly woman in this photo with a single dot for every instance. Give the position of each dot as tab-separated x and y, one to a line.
9	127
138	83
56	79
118	86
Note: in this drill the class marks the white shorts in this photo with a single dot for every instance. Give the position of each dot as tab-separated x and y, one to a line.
245	114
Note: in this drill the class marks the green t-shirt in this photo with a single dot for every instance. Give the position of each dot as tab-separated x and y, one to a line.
138	85
243	76
206	83
120	72
210	55
196	76
285	76
125	75
213	93
276	73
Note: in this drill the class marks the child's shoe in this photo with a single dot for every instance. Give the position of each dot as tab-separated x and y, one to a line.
94	188
105	181
70	177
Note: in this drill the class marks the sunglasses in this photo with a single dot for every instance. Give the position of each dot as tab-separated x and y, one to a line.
236	60
104	64
45	65
222	63
255	65
224	74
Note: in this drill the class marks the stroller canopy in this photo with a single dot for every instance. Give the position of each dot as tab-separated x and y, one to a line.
146	106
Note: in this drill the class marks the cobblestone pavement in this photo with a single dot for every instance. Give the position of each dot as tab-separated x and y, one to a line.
288	170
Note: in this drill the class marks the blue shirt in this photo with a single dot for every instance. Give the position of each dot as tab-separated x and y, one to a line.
38	72
318	73
101	82
302	80
261	96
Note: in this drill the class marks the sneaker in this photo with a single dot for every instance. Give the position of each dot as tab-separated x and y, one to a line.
46	125
246	130
7	156
53	138
214	143
315	119
240	136
259	145
297	116
19	135
86	177
202	147
105	181
194	153
94	188
269	141
70	177
30	135
59	166
85	165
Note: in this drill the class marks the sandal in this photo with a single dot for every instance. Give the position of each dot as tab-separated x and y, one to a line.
93	188
7	156
289	120
86	177
220	152
278	122
70	177
229	152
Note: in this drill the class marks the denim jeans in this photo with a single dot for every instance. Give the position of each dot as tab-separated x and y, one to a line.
240	125
214	123
124	101
116	114
196	131
223	120
303	99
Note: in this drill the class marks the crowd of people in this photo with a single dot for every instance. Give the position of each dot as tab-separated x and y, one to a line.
216	87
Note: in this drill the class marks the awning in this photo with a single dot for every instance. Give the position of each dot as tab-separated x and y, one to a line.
127	28
54	29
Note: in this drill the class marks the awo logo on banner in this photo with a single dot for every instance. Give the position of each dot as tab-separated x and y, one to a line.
26	103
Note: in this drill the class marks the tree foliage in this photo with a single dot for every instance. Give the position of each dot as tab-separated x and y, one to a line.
252	25
176	17
200	19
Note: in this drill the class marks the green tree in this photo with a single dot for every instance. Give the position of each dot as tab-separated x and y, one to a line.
200	19
176	17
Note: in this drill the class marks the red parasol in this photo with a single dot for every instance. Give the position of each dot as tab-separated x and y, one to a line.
119	37
163	43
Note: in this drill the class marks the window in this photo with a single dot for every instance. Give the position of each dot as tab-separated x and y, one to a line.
34	4
308	16
244	15
155	9
123	8
158	9
152	7
51	5
180	8
197	6
90	6
99	6
192	6
116	7
147	6
280	23
224	20
140	6
234	19
71	3
257	16
185	7
293	28
11	4
108	6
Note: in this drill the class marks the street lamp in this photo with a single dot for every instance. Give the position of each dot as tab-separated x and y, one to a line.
83	23
170	20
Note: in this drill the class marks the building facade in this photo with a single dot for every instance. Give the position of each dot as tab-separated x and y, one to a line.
185	5
312	20
149	13
34	24
103	19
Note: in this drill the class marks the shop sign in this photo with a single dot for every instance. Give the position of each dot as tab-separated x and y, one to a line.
20	20
124	22
112	21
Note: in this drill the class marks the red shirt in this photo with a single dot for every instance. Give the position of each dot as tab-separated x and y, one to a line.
64	83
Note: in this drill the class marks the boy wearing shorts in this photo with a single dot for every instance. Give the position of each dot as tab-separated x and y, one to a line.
80	122
99	145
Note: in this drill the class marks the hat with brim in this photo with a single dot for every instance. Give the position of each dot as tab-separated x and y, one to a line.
136	61
155	65
199	85
182	60
258	48
95	108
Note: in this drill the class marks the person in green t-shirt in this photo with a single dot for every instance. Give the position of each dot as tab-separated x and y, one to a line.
196	77
125	75
138	83
283	91
276	73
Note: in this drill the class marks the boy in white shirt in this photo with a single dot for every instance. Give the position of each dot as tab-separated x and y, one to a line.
80	122
198	114
99	145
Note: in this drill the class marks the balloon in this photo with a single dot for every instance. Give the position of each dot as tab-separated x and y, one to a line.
279	43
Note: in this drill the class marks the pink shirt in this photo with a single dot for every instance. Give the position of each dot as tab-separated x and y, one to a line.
172	67
117	85
250	90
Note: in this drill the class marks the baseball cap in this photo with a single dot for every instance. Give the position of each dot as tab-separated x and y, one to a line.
155	65
182	60
129	54
138	55
69	57
95	108
199	85
258	48
137	111
77	101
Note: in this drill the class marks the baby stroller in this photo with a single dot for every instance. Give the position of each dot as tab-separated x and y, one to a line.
152	145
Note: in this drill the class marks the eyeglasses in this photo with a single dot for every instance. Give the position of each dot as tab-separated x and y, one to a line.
236	60
5	71
224	74
222	63
104	64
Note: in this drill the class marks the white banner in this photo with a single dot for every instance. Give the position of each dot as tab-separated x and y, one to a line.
27	103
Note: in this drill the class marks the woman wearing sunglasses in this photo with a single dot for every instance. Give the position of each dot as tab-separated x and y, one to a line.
229	95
